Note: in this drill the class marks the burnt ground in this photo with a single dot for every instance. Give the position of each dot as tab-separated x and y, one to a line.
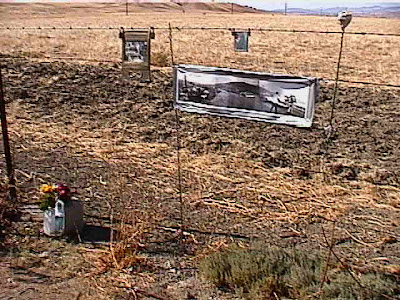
114	141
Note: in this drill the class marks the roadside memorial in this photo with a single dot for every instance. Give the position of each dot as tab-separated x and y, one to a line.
136	52
280	99
63	214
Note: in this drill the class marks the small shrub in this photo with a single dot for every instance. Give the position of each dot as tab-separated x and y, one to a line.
128	240
343	286
267	273
160	59
262	272
125	246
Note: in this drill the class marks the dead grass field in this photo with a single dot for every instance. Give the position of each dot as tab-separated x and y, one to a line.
115	142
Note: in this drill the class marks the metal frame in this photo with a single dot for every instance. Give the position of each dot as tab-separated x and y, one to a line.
235	33
138	35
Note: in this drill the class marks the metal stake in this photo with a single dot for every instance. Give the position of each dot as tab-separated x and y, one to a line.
336	81
178	152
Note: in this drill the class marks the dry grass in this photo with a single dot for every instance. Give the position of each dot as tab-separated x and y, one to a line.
233	185
112	162
7	212
366	58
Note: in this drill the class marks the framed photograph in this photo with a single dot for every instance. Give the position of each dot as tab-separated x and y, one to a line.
274	98
241	41
136	52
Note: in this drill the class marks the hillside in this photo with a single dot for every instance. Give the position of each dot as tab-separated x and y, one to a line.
109	8
379	10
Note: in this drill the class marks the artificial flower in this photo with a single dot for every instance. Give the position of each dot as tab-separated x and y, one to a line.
47	188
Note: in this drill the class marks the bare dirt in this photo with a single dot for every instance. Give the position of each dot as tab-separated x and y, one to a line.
115	140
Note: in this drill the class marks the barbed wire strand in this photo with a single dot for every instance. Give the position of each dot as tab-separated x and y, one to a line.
118	61
204	28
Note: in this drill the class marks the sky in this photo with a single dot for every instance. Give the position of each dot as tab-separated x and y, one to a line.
277	4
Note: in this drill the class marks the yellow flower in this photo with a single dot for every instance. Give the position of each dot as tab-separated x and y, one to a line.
47	188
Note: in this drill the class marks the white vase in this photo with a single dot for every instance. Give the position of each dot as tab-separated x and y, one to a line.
66	218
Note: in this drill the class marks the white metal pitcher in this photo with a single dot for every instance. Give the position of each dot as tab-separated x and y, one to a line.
66	218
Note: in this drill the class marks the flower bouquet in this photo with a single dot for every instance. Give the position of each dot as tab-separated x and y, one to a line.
50	193
63	214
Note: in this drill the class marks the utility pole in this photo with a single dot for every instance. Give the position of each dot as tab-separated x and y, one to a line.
232	8
7	151
286	7
126	8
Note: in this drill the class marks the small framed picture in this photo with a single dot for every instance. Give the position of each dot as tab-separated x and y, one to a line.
241	41
136	52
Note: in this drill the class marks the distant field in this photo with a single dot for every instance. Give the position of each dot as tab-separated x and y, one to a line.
366	58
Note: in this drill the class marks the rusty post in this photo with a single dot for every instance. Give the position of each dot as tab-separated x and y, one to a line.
7	151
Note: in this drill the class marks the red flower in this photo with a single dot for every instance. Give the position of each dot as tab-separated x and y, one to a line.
63	191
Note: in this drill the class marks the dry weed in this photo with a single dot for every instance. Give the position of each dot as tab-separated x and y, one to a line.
129	238
8	212
123	253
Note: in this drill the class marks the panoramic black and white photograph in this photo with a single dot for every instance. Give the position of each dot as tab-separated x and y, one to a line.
241	41
234	93
136	51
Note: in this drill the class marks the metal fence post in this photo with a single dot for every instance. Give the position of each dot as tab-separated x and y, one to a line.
7	151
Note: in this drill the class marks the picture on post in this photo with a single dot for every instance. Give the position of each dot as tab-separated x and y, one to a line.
136	51
241	41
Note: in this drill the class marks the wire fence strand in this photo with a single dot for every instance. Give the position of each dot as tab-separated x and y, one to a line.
203	28
170	29
69	58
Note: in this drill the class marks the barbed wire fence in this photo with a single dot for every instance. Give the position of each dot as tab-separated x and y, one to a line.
171	29
187	28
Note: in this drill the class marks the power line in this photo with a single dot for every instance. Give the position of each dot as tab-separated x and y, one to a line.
204	28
